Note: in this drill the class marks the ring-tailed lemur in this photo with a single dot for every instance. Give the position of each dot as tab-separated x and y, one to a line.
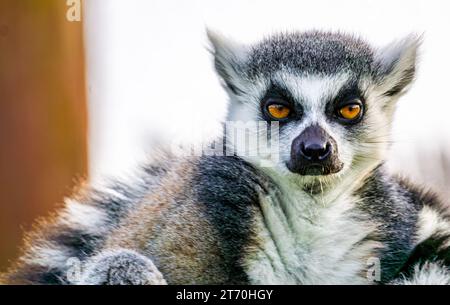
324	212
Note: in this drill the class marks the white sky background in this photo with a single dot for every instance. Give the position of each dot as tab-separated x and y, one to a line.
150	76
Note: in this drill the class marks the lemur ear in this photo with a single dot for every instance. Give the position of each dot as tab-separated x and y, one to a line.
228	59
395	65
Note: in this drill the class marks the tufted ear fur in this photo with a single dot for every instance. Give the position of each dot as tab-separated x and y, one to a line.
395	65
228	59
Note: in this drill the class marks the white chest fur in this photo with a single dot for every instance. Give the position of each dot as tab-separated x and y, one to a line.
304	240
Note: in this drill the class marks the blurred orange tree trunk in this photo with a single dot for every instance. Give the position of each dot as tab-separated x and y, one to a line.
42	114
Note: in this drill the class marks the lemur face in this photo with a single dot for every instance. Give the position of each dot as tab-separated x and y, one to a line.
333	96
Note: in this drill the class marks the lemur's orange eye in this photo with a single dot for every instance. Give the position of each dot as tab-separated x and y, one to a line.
278	111
350	111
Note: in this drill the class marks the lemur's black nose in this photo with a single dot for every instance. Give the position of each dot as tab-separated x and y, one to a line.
315	151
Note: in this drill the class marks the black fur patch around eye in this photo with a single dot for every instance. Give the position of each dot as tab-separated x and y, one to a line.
347	93
280	93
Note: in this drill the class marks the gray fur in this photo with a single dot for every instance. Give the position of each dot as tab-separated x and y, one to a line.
120	267
228	220
311	53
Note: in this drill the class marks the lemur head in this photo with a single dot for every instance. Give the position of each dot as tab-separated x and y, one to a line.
332	94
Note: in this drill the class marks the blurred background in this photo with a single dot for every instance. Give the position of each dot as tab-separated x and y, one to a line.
82	99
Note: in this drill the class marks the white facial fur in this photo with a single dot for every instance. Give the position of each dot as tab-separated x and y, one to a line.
359	151
314	91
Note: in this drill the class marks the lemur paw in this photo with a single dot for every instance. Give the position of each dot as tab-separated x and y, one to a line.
121	267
